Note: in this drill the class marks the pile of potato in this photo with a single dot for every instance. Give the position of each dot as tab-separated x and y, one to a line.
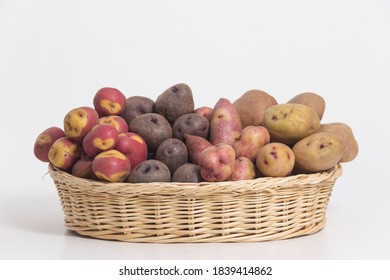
140	140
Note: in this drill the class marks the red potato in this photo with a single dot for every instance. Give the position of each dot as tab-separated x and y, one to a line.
205	112
217	162
244	169
44	142
252	139
101	138
133	146
111	166
79	121
83	169
116	121
109	101
225	125
195	145
64	153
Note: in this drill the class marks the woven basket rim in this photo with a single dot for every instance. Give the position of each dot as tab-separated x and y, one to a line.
269	184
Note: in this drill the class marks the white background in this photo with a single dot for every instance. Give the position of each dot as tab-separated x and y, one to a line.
55	55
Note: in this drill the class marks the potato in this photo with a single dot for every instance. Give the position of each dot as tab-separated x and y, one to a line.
195	145
133	146
64	153
244	169
101	138
225	125
116	121
44	142
109	101
345	135
83	169
79	121
187	173
136	106
150	170
153	128
173	153
205	111
217	162
175	102
318	152
289	123
313	100
192	124
275	160
111	166
252	139
252	105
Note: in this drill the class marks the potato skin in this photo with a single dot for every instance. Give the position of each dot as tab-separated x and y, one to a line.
225	125
111	166
136	106
64	153
252	139
195	145
289	123
244	169
192	124
109	101
150	170
173	153
79	121
187	173
153	128
217	162
44	142
318	152
311	99
275	160
175	102
252	105
346	136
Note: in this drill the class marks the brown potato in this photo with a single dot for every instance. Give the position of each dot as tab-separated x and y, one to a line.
313	100
252	105
275	160
289	123
136	106
318	152
345	135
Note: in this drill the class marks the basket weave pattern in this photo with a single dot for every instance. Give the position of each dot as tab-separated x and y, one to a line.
243	211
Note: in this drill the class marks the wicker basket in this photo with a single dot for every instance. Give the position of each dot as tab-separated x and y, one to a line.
242	211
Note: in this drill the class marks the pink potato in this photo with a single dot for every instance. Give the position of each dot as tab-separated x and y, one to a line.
109	101
101	138
116	121
79	121
205	112
244	169
64	153
133	146
44	142
83	168
111	166
217	162
195	145
252	139
225	125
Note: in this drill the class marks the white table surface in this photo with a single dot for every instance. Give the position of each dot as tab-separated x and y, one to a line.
54	57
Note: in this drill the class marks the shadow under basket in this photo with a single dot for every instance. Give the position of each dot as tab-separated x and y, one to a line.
242	211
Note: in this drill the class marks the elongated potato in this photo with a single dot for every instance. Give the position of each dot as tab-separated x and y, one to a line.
318	152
